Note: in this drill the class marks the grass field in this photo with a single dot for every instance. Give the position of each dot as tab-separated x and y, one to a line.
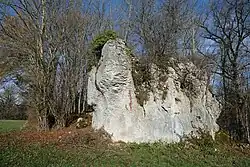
10	125
71	147
131	155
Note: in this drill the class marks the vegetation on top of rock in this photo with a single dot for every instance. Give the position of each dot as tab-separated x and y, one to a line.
142	77
100	40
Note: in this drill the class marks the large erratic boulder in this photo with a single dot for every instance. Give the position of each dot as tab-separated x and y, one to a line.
178	115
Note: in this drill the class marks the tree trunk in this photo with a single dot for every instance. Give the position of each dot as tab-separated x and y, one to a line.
247	127
43	123
60	122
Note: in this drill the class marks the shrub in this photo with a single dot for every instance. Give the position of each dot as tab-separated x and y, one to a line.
222	136
142	77
100	40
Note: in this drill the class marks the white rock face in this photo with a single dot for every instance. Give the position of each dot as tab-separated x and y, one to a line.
111	91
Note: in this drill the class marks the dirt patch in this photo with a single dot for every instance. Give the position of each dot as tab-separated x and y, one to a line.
64	138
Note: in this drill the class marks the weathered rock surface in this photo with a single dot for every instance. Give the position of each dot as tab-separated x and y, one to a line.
180	113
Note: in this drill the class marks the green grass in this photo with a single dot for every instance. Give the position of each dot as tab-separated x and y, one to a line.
197	153
10	125
131	155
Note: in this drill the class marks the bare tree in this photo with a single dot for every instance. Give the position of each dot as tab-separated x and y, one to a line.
161	26
50	41
228	30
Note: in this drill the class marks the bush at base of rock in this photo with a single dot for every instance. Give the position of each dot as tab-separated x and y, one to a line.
84	122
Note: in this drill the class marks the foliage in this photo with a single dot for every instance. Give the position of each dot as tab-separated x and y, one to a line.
222	136
10	105
162	64
15	112
100	40
205	143
142	77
